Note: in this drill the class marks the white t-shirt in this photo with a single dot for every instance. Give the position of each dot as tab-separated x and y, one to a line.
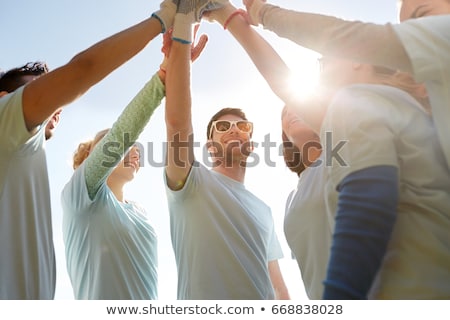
388	127
223	238
427	42
27	259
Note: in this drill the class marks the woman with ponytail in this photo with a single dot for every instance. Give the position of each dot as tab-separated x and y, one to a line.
110	244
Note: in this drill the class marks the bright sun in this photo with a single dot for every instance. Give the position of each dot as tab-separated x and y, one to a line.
305	74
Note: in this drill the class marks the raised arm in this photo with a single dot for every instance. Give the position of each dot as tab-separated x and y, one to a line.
123	134
180	138
41	99
354	40
266	59
180	153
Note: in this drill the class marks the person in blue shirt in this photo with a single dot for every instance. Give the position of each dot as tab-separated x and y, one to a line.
31	98
223	236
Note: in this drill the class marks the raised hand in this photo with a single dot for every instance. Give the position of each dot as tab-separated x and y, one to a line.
196	50
166	13
254	10
196	8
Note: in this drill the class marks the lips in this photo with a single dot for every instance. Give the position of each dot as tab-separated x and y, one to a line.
134	165
233	140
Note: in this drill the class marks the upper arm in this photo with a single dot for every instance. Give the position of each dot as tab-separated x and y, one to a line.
43	96
301	134
180	149
281	291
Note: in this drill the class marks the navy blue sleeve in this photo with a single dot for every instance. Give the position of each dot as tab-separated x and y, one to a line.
365	217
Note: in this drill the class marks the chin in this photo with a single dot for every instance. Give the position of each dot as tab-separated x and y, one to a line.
48	134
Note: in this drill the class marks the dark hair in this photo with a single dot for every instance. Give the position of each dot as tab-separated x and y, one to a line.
292	156
225	111
14	78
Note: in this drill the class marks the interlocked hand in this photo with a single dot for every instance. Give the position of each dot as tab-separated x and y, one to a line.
166	13
196	49
254	10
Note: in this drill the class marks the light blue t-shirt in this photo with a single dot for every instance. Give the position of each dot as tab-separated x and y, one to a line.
27	259
111	247
308	228
223	238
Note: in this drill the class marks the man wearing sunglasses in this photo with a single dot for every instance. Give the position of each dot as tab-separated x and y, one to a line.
30	101
223	236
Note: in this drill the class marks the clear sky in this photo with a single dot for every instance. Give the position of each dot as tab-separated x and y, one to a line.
54	31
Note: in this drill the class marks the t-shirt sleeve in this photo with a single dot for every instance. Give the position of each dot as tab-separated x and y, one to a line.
123	134
13	131
359	132
189	187
275	251
427	42
75	197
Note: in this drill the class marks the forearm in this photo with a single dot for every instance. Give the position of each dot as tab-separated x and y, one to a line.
178	115
123	134
265	58
354	40
365	218
105	56
84	70
278	284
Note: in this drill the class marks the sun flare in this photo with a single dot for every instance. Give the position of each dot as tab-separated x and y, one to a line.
304	76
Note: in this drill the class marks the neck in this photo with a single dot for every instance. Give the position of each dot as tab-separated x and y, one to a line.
236	171
116	188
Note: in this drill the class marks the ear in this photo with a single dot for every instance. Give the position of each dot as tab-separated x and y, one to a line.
252	146
210	146
421	91
3	93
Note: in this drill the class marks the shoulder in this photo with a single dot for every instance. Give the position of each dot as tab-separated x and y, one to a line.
430	23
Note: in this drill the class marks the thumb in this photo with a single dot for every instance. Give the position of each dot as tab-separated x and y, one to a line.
198	48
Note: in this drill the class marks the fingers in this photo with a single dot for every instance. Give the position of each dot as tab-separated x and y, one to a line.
197	49
196	26
247	3
167	42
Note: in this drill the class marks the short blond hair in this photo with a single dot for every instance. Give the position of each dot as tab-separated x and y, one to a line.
85	148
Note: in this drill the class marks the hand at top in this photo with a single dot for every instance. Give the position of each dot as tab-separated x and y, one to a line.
196	8
254	10
196	49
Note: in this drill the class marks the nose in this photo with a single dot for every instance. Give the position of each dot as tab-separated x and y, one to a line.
134	153
234	128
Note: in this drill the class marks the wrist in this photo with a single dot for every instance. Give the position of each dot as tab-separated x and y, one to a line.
233	14
265	8
182	29
222	14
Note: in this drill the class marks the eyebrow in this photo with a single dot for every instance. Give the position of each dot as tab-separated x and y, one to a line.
414	14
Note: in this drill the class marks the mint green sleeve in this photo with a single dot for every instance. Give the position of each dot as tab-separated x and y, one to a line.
123	134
